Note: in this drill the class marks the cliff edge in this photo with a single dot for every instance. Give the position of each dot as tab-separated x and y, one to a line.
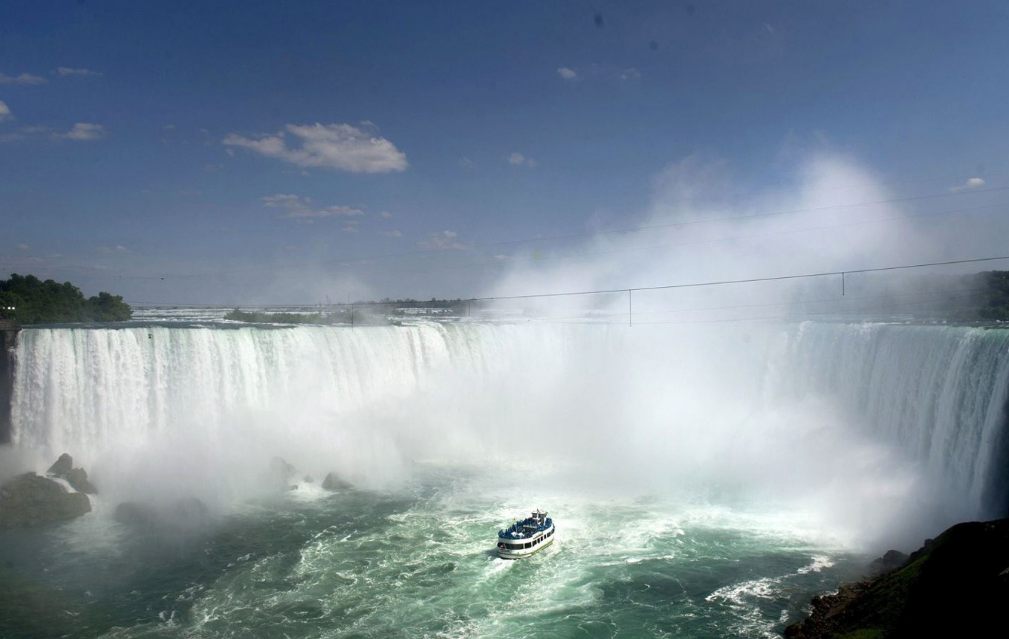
957	583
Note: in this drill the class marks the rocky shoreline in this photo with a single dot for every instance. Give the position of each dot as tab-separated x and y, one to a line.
956	584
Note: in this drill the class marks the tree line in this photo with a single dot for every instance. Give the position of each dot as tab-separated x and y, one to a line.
49	302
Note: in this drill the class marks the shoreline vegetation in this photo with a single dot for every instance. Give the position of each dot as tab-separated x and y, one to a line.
954	585
49	302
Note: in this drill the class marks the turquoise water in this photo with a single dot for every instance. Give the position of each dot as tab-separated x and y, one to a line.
418	561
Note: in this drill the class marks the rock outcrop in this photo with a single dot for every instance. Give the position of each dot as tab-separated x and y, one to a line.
29	500
957	584
76	477
335	482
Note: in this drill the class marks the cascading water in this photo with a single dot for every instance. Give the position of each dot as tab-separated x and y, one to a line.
937	392
706	480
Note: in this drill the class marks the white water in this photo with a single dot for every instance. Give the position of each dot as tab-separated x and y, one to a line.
862	426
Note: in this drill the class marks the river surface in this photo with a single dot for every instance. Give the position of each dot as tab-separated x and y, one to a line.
418	561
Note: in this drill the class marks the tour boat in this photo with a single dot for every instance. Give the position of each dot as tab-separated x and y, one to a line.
525	537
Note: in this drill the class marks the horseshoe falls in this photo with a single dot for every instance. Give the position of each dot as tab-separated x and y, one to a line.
706	480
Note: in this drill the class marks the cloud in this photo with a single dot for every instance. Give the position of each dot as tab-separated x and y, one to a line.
24	78
385	215
5	112
340	147
65	71
83	131
393	233
23	247
118	248
972	183
599	71
349	228
518	159
444	241
302	207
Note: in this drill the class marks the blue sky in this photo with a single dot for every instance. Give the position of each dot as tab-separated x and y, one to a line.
253	152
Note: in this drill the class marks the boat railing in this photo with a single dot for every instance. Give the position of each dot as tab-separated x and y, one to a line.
526	525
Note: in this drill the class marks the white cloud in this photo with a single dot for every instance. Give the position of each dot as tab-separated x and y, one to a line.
350	228
23	247
340	147
83	131
118	248
24	78
5	112
385	215
972	183
303	207
446	240
630	74
518	159
393	233
567	74
65	71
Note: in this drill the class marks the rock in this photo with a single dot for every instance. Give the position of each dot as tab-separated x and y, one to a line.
280	474
892	560
335	482
78	478
62	466
130	512
952	582
29	500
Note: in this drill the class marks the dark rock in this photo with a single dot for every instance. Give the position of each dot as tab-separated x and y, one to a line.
952	582
335	482
189	512
130	512
78	478
892	560
62	466
28	500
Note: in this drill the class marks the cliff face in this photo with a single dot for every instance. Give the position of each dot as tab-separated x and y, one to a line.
957	584
8	333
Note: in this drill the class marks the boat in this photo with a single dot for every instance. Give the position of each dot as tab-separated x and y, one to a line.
525	537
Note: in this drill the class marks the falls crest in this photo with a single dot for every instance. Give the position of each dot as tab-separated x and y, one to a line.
937	394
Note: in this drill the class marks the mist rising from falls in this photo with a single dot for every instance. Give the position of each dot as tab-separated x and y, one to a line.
868	425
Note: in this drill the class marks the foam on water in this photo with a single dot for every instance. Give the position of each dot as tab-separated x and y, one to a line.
704	481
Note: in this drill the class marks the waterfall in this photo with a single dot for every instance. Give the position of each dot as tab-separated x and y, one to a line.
662	397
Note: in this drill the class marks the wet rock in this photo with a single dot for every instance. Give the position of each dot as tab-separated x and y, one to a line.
892	560
131	512
280	473
335	482
29	500
954	582
78	478
62	466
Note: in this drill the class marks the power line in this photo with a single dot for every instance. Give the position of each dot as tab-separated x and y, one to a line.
751	280
634	289
627	230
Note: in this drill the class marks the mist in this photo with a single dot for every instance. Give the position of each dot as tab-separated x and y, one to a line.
691	392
